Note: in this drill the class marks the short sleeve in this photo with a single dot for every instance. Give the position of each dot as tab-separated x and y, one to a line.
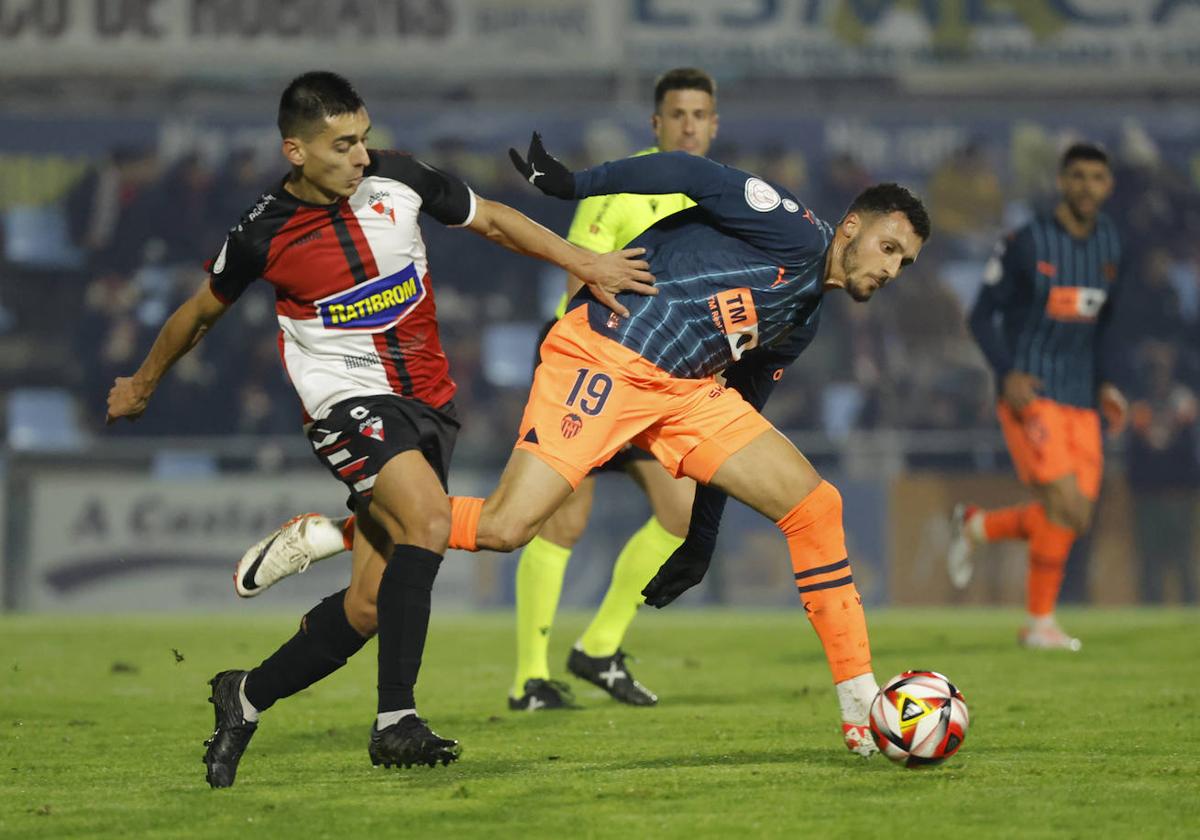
234	267
443	196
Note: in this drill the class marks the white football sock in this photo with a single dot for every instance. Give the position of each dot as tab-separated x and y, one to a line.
324	537
249	713
385	719
855	696
974	528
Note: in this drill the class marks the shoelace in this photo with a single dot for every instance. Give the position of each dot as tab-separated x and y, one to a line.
294	553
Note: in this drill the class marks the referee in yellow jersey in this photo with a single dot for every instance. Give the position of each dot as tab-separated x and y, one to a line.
684	119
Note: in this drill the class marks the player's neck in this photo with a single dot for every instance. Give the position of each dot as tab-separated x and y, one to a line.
833	277
306	190
1079	228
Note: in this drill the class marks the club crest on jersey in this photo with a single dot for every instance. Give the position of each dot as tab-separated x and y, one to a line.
381	203
571	425
372	427
373	306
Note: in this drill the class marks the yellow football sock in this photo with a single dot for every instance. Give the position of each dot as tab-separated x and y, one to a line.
638	561
540	572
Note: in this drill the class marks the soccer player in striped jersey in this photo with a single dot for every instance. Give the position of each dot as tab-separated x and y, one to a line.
1040	319
339	242
741	278
684	119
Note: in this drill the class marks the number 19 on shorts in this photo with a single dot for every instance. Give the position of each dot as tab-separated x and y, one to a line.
595	388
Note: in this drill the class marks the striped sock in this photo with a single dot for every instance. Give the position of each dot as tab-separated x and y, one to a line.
817	545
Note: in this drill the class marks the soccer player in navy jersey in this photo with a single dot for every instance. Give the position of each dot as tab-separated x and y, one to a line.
338	240
741	278
1047	298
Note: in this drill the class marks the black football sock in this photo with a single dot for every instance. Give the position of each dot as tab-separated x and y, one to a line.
403	609
323	643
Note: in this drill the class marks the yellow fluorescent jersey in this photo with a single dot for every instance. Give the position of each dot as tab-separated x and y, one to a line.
605	223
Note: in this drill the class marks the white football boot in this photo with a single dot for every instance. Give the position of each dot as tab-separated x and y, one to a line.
959	563
290	550
1045	634
855	696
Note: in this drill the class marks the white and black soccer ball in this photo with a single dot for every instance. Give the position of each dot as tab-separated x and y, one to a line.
919	718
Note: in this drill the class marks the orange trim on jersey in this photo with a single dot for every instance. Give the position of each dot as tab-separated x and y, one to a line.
1078	304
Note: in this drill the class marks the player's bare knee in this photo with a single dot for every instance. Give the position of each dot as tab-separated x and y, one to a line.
674	515
431	531
566	526
511	534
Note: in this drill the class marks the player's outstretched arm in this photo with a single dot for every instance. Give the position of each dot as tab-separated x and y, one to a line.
762	214
129	395
606	274
671	172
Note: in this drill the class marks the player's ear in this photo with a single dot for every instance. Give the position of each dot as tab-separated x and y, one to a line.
655	123
716	124
851	224
293	150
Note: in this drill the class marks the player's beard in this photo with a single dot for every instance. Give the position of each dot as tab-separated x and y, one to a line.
850	269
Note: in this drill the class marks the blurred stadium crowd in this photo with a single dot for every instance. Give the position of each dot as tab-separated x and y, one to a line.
91	273
141	228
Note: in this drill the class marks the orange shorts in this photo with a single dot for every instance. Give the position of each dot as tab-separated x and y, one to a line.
592	395
1049	440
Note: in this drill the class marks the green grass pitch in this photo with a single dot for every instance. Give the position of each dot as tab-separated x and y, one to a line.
102	719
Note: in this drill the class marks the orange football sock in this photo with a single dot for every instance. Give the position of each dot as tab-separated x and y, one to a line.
1014	523
464	521
817	545
1049	547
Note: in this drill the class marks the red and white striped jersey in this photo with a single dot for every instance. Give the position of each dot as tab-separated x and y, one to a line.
352	288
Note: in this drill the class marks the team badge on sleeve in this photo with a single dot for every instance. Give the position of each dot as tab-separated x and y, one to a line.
760	195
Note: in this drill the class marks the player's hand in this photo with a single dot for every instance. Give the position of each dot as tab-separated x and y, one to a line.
543	170
1020	389
685	568
126	399
607	275
1114	407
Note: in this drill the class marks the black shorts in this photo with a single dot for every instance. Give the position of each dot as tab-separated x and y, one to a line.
362	434
624	456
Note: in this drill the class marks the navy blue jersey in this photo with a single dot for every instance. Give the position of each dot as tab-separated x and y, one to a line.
1046	299
742	269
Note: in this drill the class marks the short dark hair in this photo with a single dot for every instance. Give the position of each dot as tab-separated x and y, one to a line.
893	198
313	96
1082	151
683	78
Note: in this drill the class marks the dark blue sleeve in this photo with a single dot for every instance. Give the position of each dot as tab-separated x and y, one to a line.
763	214
1007	268
754	377
1110	358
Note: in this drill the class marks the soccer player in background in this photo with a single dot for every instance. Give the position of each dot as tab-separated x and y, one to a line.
339	242
741	279
684	119
1047	296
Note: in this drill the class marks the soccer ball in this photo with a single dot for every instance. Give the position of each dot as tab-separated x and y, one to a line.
919	718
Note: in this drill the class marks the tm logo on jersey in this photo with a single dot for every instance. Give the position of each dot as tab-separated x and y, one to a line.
373	306
733	313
